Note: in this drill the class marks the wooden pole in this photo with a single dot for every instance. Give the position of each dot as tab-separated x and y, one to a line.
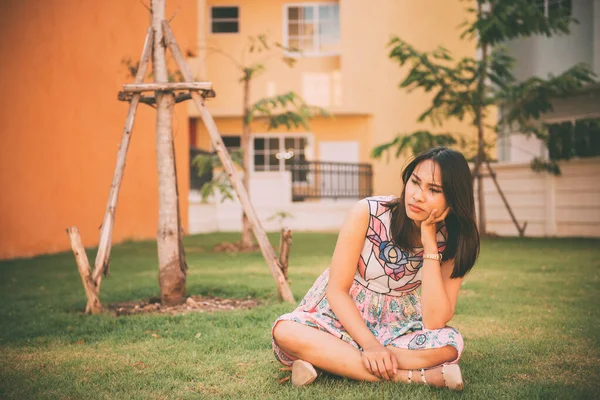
147	87
285	242
512	215
265	246
104	245
93	305
151	100
246	240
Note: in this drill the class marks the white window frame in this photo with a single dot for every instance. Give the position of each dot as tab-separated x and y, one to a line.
210	18
547	6
310	138
316	43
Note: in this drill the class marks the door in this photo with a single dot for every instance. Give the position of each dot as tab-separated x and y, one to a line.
340	178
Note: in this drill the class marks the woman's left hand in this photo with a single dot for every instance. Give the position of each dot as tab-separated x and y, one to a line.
429	229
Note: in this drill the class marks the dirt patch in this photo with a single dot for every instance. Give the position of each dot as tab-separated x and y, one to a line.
192	304
234	247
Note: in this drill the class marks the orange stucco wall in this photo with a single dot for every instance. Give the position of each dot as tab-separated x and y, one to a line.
61	123
337	128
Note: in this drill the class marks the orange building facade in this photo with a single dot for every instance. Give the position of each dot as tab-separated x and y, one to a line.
61	123
63	65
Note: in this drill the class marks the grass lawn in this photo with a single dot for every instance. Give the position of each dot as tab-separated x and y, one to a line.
528	311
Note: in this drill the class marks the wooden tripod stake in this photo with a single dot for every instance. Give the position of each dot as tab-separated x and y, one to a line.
92	279
265	246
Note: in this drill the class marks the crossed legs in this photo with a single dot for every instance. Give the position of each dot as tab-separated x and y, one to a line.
335	356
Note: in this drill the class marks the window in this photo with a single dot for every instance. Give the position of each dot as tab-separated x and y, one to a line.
555	8
224	19
570	139
312	28
278	153
232	143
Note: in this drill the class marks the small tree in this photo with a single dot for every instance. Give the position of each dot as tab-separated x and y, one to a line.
286	109
470	87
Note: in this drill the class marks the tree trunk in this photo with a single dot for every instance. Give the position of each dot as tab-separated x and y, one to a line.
171	258
247	242
479	117
520	228
263	241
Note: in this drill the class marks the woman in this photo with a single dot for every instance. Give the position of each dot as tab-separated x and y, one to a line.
381	309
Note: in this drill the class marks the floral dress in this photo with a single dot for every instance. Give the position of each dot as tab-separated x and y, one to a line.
385	291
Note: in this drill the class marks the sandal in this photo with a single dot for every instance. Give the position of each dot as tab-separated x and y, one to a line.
452	377
422	371
303	373
450	373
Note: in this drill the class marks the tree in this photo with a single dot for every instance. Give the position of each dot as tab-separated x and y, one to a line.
287	109
171	256
469	87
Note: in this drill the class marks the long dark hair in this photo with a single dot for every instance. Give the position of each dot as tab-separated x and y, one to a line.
462	242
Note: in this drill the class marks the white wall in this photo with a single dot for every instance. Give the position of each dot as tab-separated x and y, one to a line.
540	55
270	192
565	205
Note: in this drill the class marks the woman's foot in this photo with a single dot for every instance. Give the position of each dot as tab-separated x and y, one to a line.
303	373
445	376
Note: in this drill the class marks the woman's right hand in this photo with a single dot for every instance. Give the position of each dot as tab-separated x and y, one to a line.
380	361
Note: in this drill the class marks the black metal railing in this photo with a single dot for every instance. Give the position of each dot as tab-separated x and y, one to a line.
319	179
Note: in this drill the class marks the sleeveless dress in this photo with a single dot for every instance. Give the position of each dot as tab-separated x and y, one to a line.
385	291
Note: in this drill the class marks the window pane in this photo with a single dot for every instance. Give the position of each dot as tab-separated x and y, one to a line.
232	142
289	143
308	13
274	144
541	5
293	13
293	29
325	12
259	144
224	12
559	8
329	29
224	27
307	29
273	162
259	161
302	144
289	162
307	45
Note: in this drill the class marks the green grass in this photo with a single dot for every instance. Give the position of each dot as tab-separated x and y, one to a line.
528	312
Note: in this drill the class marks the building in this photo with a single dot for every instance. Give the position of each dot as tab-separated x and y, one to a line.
62	67
343	67
566	205
64	61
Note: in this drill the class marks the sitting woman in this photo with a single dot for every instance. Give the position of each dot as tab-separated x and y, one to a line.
380	311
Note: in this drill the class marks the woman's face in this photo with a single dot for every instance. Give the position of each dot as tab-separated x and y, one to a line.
423	192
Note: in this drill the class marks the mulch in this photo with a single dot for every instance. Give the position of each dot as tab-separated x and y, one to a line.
192	304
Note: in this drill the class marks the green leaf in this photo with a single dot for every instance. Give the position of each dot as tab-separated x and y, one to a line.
287	109
414	143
